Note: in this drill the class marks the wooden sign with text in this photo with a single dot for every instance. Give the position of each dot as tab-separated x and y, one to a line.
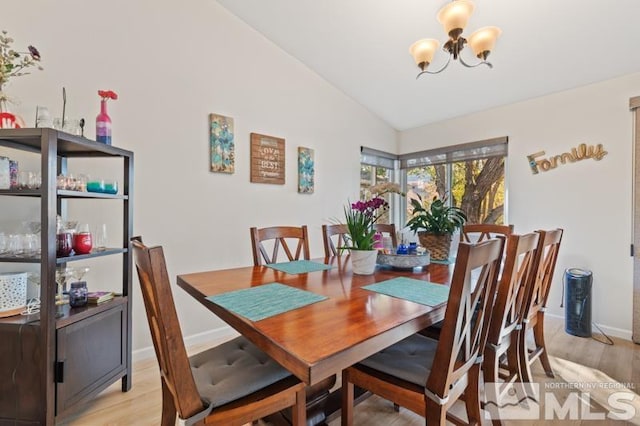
267	159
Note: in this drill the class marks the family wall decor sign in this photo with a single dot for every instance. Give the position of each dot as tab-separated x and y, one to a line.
581	152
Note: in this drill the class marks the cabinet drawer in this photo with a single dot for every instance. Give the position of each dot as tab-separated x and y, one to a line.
90	355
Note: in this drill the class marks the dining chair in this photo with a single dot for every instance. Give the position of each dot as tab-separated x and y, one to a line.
428	376
318	393
279	236
388	229
332	248
476	232
506	316
230	384
535	303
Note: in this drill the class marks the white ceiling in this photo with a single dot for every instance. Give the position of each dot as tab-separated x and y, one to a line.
362	48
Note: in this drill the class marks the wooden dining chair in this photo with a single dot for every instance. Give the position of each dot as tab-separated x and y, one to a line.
428	376
476	232
535	303
230	384
331	247
388	229
506	315
281	236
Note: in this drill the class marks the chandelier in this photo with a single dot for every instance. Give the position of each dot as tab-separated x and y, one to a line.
454	17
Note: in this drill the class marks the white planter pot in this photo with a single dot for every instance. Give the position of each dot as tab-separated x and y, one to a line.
364	261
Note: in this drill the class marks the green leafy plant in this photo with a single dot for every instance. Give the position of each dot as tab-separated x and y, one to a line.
435	217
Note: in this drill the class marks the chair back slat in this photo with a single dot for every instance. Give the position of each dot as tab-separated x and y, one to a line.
546	258
466	318
165	328
281	237
477	232
519	267
388	229
332	248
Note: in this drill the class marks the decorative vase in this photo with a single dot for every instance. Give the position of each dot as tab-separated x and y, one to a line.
103	124
438	245
364	261
8	120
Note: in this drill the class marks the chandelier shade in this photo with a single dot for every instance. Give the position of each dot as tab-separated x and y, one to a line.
423	51
454	17
483	40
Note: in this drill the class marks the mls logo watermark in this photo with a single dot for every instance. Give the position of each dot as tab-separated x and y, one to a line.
530	401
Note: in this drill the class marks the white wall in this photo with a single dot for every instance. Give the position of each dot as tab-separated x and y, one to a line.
590	200
173	63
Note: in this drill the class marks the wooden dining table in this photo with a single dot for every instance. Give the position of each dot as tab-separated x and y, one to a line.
321	339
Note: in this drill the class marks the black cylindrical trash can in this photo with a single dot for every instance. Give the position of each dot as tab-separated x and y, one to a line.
577	302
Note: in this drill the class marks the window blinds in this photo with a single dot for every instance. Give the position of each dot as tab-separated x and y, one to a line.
496	147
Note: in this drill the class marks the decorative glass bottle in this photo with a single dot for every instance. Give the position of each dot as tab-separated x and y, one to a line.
103	124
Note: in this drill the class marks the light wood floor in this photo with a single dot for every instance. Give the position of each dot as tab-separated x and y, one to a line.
620	362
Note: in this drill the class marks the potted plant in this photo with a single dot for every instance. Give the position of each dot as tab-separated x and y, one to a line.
434	223
360	218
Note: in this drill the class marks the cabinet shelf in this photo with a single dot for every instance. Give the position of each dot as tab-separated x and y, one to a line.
62	193
69	315
60	260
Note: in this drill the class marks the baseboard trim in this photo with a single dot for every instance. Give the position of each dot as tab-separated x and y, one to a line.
221	333
611	331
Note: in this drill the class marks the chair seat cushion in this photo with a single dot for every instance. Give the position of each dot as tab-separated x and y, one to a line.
409	359
233	370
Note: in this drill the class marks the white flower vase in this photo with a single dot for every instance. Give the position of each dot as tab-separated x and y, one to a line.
364	261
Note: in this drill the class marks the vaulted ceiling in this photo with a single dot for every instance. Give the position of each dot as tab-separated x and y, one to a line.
362	48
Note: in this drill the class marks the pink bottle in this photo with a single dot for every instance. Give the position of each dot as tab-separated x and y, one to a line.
377	241
103	124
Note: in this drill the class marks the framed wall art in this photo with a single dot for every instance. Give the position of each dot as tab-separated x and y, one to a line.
267	159
306	170
221	144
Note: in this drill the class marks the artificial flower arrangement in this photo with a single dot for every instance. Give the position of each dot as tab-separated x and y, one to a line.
363	214
107	94
14	63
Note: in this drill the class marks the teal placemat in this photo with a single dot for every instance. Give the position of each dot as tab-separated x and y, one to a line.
265	301
422	292
299	266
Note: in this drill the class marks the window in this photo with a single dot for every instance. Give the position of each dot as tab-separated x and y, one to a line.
469	176
378	167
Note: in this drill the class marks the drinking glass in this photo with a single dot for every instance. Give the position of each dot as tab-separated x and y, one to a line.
43	117
31	245
4	242
14	245
100	237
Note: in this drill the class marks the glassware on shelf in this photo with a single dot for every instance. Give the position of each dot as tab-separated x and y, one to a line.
64	244
78	294
77	274
110	186
100	237
103	186
62	274
82	240
95	185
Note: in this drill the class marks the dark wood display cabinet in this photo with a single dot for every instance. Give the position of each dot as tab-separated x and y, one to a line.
55	360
